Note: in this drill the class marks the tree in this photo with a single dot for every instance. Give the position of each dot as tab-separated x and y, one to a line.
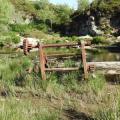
41	4
83	4
63	13
53	13
6	9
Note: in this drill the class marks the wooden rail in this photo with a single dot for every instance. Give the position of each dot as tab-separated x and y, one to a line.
62	69
63	55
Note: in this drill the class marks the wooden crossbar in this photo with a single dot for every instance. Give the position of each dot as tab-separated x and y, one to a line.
63	55
60	45
65	44
62	69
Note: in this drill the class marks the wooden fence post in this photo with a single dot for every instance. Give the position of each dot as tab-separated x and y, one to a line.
84	60
42	62
25	46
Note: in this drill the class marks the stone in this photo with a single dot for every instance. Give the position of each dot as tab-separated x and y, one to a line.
111	72
33	41
86	37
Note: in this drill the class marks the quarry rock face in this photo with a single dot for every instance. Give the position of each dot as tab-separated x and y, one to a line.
97	20
92	26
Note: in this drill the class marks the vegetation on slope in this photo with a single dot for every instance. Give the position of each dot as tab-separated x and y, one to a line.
106	6
43	11
64	95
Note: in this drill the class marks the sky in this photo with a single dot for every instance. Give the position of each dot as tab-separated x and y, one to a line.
71	3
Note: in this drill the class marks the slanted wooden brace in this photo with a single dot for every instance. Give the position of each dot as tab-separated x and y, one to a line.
43	58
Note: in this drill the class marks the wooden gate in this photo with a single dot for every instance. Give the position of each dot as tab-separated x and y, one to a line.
43	57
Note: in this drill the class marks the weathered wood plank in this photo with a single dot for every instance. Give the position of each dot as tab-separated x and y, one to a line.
62	69
42	62
84	60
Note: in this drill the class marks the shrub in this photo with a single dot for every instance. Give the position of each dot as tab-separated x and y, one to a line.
15	39
42	27
74	38
10	37
98	40
21	28
1	44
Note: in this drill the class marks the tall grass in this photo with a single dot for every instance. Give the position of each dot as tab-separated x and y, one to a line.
12	69
68	90
109	111
16	109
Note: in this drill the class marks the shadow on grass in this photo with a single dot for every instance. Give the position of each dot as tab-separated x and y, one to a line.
113	79
74	115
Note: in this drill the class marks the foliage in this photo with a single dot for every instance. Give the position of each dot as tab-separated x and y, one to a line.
98	40
63	13
44	11
41	4
6	9
24	5
21	28
8	38
83	5
108	6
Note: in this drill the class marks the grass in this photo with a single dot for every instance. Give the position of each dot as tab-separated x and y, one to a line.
17	109
110	111
36	99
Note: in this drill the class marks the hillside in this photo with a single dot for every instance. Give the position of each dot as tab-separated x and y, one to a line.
36	19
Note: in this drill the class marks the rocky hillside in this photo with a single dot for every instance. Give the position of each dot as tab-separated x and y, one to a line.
37	19
102	17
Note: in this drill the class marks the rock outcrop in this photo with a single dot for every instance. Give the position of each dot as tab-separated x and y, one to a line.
101	18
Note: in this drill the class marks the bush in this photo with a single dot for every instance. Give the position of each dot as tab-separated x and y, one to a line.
14	39
7	38
98	40
74	38
21	28
1	44
42	27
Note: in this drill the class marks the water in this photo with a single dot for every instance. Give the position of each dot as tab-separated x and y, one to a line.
99	55
102	55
